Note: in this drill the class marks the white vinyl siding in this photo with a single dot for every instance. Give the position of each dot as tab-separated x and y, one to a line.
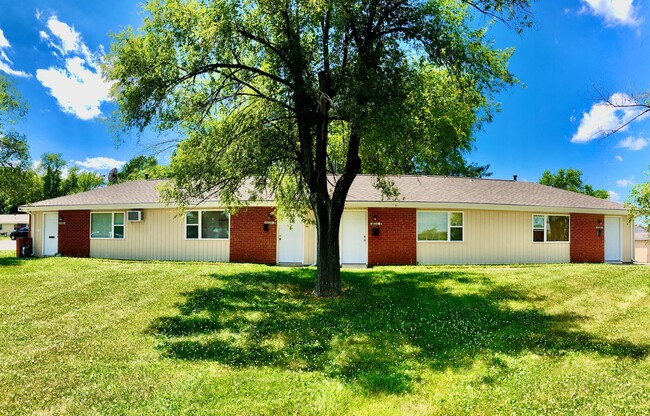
160	236
494	237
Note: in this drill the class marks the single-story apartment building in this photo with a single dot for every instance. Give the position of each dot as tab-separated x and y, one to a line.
435	220
641	245
10	222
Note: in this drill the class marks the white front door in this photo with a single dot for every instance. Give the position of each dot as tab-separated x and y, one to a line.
612	239
291	242
354	237
50	234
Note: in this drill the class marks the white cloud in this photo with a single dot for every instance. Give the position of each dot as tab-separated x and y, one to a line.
100	163
4	43
6	63
619	158
614	196
624	183
76	83
615	12
69	40
604	118
631	143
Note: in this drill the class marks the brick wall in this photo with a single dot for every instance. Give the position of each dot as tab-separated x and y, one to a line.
74	233
249	243
395	243
586	245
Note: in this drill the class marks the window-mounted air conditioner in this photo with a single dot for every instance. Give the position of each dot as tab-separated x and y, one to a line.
134	216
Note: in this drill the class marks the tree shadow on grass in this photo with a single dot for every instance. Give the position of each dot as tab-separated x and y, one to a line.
387	326
13	261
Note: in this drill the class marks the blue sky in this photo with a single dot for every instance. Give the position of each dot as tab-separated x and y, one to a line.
51	50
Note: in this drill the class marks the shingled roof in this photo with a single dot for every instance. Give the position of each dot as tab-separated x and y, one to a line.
413	189
134	192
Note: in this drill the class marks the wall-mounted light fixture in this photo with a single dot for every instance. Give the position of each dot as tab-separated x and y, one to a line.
269	221
599	228
375	224
61	219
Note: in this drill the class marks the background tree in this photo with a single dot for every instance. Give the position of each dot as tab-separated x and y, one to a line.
80	181
638	204
298	97
141	167
571	180
15	178
52	165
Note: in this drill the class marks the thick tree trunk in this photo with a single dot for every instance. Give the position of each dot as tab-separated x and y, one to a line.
328	277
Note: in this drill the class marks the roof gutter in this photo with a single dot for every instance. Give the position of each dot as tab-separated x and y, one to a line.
350	205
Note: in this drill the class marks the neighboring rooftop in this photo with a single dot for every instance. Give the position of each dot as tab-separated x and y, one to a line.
413	189
14	219
641	233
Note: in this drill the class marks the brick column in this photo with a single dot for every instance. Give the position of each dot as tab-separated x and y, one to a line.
396	242
586	245
249	242
74	233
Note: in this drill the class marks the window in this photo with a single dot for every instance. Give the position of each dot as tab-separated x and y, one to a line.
207	225
107	225
440	226
550	228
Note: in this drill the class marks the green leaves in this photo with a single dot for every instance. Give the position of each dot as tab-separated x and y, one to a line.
292	99
638	204
571	180
14	151
243	80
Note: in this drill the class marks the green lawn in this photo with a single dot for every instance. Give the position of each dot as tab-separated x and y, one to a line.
82	336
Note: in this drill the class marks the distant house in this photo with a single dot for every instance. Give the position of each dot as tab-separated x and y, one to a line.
436	220
10	222
641	245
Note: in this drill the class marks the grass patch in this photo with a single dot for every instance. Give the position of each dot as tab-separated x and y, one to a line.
89	336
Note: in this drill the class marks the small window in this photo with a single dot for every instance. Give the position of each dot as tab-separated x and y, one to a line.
440	226
107	225
207	225
192	224
550	228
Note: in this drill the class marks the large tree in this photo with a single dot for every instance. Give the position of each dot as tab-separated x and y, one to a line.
52	165
14	151
571	180
296	97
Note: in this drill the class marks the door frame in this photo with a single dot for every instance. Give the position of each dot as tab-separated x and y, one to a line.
365	228
302	245
45	233
620	240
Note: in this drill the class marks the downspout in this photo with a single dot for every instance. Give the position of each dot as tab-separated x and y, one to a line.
31	217
632	243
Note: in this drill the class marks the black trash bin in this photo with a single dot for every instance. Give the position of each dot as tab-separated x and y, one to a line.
24	247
